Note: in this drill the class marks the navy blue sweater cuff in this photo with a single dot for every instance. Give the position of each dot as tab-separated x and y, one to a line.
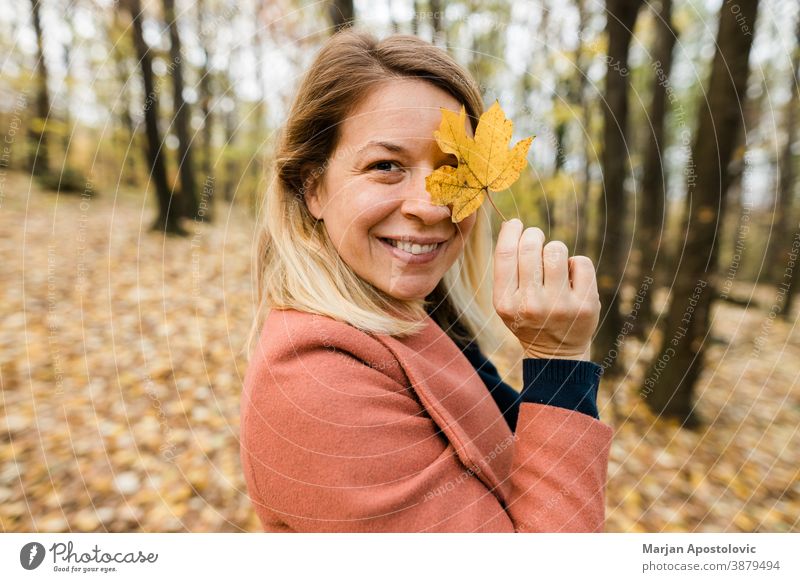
570	384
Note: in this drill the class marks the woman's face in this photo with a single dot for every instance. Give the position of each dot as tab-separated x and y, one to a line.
372	196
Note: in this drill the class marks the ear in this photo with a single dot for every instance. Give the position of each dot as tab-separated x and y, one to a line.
311	190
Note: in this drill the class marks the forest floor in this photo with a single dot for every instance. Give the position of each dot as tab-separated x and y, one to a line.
122	359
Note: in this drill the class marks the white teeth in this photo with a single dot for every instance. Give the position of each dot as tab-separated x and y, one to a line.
413	248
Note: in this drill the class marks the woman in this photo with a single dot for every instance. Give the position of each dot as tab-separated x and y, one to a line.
365	405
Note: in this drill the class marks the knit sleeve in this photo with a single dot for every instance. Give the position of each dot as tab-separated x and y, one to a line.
570	384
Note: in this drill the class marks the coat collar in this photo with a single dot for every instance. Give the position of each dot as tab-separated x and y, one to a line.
459	403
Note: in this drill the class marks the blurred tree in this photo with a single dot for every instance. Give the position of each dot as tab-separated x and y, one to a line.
258	49
751	119
561	91
669	386
117	50
205	92
547	194
536	207
230	119
620	20
395	26
486	46
437	20
652	211
66	48
39	140
168	219
781	247
583	61
182	113
747	139
259	165
342	14
230	167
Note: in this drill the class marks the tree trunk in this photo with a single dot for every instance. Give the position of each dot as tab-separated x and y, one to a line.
231	173
183	116
415	19
392	20
342	14
66	132
168	219
791	290
584	226
736	206
652	213
620	21
116	52
230	169
258	168
437	20
205	94
669	387
39	140
780	242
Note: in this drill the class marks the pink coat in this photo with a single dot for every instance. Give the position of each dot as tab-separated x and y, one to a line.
343	431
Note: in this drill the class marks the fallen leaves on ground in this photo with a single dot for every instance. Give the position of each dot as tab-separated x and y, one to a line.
740	473
122	368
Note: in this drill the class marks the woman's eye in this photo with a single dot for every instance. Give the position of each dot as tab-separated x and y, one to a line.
384	165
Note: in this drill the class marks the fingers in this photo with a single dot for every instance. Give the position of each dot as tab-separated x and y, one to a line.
556	267
523	261
584	280
582	273
531	269
506	262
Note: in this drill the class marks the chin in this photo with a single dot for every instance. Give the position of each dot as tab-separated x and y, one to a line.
415	293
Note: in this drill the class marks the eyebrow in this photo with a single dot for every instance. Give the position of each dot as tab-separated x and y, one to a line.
390	146
387	145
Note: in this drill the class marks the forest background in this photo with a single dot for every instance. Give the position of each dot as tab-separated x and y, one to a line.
135	148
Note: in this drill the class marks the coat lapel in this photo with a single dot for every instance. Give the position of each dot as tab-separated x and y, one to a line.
459	402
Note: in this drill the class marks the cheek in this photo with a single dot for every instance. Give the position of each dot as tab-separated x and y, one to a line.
465	230
461	239
353	220
456	250
366	211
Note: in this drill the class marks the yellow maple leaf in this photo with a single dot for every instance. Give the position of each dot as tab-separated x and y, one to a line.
485	162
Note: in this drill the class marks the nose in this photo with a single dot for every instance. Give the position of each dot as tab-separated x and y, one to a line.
417	201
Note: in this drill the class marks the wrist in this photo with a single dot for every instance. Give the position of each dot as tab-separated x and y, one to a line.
558	355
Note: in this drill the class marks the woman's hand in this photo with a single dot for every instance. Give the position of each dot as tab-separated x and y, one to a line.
546	298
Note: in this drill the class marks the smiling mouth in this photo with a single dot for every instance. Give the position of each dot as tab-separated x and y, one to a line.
413	248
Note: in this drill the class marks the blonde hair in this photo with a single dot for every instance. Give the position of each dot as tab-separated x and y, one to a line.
295	263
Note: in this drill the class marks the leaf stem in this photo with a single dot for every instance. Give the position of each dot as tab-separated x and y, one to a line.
489	196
